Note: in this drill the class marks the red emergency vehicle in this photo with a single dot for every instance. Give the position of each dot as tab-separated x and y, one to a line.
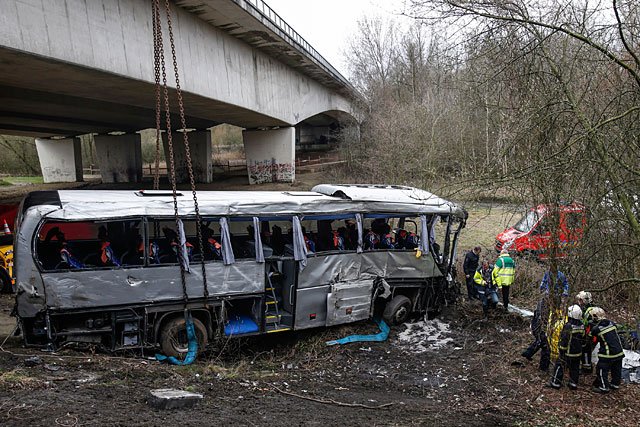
536	232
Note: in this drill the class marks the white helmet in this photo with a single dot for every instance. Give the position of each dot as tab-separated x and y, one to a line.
575	312
597	313
584	296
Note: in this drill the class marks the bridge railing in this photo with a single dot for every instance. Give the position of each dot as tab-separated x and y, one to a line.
269	14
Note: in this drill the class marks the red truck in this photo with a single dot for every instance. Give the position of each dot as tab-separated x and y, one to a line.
534	233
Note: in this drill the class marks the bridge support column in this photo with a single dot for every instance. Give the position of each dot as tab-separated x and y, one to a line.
270	155
200	148
60	159
119	157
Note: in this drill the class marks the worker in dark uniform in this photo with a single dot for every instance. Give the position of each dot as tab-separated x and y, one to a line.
584	301
571	343
539	331
610	355
470	265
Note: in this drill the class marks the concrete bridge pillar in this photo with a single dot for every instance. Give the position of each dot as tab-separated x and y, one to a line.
60	159
200	148
270	155
119	157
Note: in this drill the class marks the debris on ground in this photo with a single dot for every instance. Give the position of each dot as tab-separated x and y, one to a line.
168	398
424	335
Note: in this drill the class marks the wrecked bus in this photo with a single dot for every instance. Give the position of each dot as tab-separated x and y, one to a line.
101	267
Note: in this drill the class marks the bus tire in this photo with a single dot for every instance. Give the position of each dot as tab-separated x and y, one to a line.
173	337
5	282
397	310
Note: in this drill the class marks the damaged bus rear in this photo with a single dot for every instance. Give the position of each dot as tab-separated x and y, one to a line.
103	267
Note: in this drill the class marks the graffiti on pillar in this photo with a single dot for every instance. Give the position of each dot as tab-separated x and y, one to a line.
261	171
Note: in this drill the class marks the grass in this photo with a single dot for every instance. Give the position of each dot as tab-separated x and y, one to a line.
483	226
4	183
12	180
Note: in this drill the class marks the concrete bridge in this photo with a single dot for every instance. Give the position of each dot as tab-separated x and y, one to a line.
73	67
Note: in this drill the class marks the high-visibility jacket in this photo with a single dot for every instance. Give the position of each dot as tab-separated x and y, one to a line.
504	271
483	278
572	338
610	344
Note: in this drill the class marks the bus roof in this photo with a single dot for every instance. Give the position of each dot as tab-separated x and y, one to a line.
323	199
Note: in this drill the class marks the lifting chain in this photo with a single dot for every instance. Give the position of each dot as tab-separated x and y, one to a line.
161	71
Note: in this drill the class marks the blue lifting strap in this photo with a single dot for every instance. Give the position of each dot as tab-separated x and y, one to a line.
192	351
380	336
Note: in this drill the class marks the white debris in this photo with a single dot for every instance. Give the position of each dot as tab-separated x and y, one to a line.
521	311
424	335
631	359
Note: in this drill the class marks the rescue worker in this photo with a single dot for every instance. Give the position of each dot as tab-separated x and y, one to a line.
561	285
584	301
571	342
539	331
504	271
610	354
485	288
470	265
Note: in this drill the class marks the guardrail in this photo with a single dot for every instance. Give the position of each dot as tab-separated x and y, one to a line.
295	39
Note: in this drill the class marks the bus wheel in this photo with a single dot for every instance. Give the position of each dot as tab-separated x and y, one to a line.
397	310
173	337
5	282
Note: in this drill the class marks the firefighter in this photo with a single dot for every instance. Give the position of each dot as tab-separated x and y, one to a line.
485	288
504	272
469	267
539	331
610	355
584	301
571	342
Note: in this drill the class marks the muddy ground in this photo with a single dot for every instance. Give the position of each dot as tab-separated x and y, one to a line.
475	378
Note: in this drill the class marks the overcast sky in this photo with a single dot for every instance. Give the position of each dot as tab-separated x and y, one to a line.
328	25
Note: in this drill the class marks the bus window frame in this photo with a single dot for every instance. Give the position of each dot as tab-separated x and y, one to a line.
35	241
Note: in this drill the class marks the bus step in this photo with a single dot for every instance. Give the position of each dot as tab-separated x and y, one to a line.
282	329
273	318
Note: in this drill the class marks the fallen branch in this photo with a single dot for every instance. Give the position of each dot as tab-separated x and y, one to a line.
331	401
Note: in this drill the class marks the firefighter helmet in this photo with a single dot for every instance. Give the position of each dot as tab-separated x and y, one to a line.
575	312
584	296
597	313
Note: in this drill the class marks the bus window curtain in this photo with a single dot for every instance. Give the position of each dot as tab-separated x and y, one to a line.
299	246
184	254
424	234
258	240
359	225
227	249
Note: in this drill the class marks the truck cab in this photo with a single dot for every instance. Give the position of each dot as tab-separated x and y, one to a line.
542	227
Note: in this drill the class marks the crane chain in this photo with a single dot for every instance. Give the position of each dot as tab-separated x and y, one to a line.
187	150
161	70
